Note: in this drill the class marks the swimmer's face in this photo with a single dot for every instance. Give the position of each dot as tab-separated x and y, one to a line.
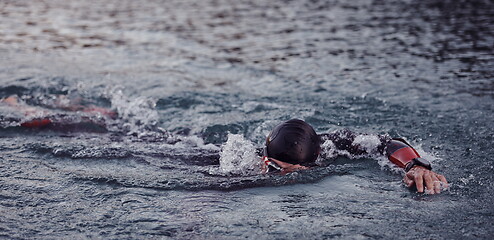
285	167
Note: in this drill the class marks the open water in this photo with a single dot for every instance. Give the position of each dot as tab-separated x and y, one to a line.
199	84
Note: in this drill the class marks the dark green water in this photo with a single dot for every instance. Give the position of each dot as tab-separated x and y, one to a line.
203	69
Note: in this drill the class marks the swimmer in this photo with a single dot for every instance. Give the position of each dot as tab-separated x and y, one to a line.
294	145
91	118
291	146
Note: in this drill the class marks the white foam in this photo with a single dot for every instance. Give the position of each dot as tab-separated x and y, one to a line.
369	143
328	149
138	115
194	141
238	156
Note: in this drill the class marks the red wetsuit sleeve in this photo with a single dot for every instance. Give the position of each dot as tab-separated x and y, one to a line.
36	123
400	152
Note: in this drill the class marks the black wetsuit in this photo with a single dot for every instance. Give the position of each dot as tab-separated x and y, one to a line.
344	139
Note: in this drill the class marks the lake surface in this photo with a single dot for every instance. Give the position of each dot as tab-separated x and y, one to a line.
196	80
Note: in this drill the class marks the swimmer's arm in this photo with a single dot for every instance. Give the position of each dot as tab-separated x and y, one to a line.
420	177
344	141
403	155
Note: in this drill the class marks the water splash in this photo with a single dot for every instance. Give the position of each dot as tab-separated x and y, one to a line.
138	117
9	117
368	144
238	157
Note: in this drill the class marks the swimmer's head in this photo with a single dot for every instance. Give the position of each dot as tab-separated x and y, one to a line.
294	142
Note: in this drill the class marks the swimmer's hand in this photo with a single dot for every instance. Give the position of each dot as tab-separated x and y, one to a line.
418	176
12	100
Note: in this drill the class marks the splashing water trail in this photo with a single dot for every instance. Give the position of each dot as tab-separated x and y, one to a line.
238	156
138	117
369	142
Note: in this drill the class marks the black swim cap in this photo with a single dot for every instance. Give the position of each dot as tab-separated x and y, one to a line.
293	141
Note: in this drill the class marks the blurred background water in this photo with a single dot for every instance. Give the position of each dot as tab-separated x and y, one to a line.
193	80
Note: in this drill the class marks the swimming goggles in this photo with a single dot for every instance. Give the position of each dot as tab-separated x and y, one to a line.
270	165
